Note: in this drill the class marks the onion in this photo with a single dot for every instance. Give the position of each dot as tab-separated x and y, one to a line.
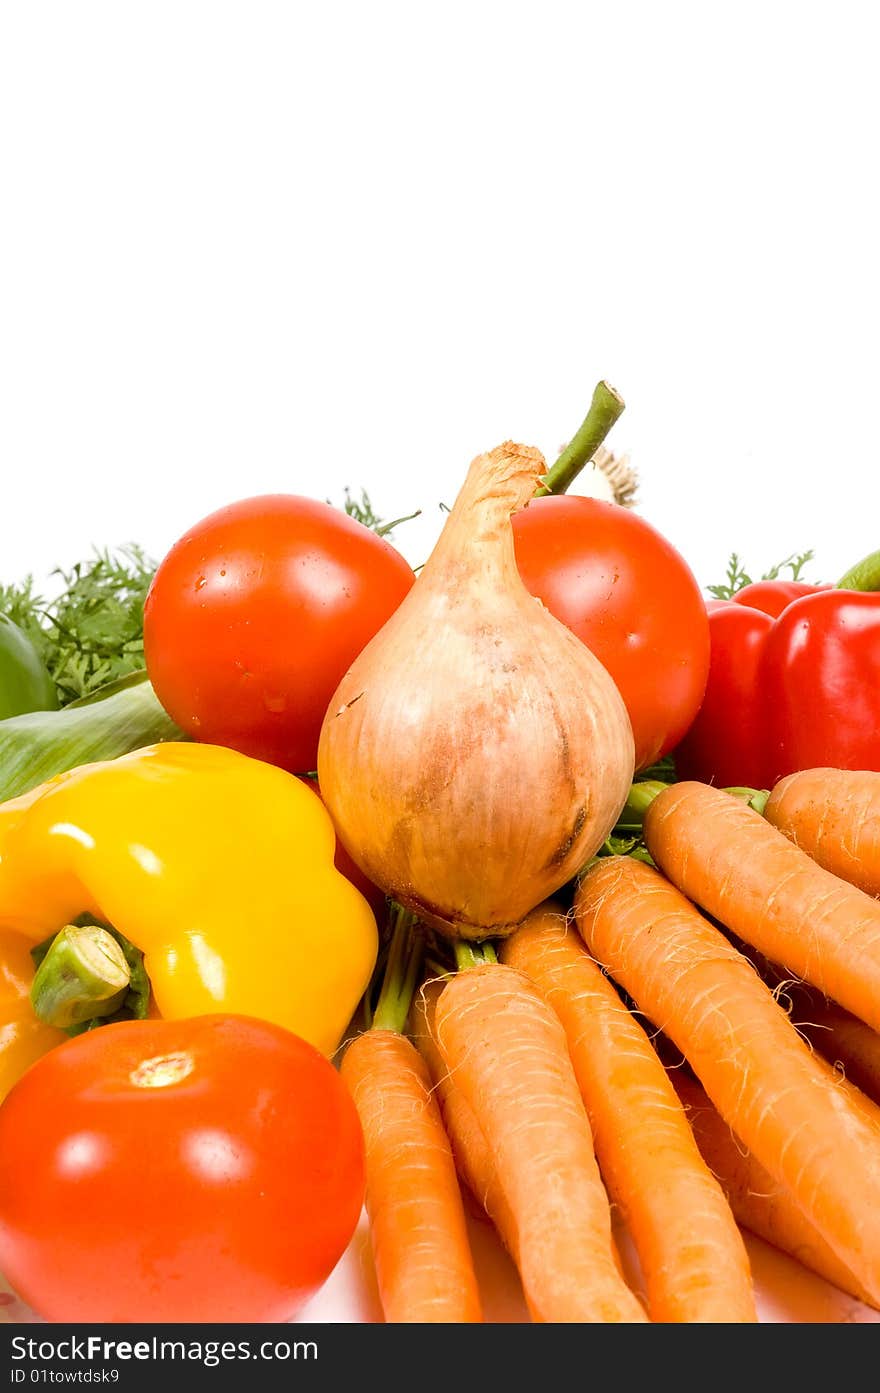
476	754
610	477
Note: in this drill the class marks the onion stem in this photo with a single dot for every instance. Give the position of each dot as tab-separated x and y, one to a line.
605	408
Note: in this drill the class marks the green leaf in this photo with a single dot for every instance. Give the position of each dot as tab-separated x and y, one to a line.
793	564
92	632
363	512
619	845
737	577
663	771
113	720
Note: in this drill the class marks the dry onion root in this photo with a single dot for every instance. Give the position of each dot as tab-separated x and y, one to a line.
612	477
476	754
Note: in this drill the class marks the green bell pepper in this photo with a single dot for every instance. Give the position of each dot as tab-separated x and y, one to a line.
25	685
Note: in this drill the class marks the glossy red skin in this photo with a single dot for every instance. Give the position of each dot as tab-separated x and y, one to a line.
255	615
773	596
227	1196
721	746
626	592
821	673
790	687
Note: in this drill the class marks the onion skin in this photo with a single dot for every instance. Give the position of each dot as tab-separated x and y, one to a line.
476	754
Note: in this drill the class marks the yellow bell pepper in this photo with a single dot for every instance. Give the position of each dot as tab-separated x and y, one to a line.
23	1038
218	867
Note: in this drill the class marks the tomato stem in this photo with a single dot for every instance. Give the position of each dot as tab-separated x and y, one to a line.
401	972
84	975
605	408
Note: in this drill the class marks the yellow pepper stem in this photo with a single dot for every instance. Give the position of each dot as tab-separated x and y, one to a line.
84	975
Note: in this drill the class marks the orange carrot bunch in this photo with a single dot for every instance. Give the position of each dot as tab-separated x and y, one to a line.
537	1081
818	1140
422	1254
506	1051
691	1252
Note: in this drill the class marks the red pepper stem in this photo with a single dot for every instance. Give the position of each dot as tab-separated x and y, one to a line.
401	972
865	575
605	408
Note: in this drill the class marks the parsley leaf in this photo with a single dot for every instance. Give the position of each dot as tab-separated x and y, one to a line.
92	632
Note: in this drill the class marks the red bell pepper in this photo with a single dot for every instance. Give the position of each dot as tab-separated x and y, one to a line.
794	682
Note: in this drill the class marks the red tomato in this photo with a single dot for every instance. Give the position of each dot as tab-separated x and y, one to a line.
200	1170
256	613
631	598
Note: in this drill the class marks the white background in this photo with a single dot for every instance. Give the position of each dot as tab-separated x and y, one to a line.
255	247
297	246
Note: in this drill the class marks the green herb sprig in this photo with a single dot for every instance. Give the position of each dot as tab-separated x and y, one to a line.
362	511
737	577
92	632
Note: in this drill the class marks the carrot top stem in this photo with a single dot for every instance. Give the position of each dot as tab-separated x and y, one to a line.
641	853
638	800
469	954
401	972
605	408
753	797
643	793
865	575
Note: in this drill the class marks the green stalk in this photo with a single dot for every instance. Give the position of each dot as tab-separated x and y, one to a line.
123	716
640	797
382	529
605	408
84	975
865	575
641	853
470	954
401	973
752	797
642	794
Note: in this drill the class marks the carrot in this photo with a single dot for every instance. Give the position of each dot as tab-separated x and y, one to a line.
751	878
808	1131
833	815
846	1043
469	1146
759	1202
424	1267
506	1050
842	1039
690	1250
